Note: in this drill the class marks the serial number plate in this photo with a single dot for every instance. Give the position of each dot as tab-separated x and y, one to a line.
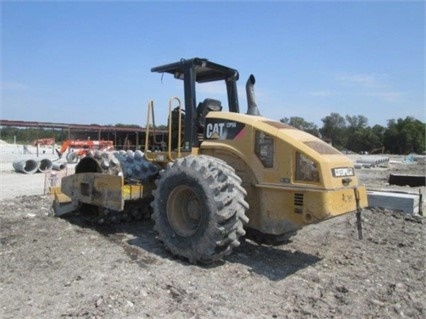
343	171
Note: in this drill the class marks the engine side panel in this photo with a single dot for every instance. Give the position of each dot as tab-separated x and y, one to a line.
292	178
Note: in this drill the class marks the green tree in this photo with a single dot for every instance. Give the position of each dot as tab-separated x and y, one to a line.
334	128
361	137
356	122
127	125
404	136
28	135
379	131
301	124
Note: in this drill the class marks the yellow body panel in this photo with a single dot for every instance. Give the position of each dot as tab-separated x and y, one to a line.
132	192
58	196
285	210
102	190
279	202
163	158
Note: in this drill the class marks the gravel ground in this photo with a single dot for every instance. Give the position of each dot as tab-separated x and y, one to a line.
64	268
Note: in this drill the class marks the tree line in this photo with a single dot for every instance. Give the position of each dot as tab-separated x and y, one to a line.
352	133
12	134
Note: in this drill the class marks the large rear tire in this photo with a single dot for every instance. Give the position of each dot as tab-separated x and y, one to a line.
199	208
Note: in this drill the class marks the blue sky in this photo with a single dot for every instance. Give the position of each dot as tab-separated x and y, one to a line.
89	62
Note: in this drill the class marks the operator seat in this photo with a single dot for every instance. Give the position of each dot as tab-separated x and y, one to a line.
204	108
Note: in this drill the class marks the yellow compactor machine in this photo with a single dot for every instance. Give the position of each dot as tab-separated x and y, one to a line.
220	175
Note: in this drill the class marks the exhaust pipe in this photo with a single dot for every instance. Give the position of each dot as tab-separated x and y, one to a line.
251	100
26	166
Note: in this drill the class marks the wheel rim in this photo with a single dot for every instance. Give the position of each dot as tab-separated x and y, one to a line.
184	211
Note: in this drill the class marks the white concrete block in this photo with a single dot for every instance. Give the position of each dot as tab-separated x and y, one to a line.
405	202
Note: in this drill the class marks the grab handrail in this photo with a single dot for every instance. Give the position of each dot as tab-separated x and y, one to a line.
169	147
147	128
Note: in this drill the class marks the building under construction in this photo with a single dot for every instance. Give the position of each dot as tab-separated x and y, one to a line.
124	137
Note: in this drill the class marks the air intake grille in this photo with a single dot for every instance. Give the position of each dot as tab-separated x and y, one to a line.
298	199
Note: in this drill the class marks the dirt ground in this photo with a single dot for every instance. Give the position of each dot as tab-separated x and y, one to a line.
63	268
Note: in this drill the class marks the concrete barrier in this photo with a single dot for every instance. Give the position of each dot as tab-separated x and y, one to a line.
407	203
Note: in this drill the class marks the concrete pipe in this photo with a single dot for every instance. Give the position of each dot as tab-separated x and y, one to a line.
72	157
26	166
45	165
59	166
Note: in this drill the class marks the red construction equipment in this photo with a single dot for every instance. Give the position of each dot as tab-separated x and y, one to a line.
44	141
79	148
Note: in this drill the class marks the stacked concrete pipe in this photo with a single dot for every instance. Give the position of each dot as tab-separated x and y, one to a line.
372	161
45	165
31	166
59	166
27	166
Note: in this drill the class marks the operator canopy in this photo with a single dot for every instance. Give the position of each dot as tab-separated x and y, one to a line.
205	71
